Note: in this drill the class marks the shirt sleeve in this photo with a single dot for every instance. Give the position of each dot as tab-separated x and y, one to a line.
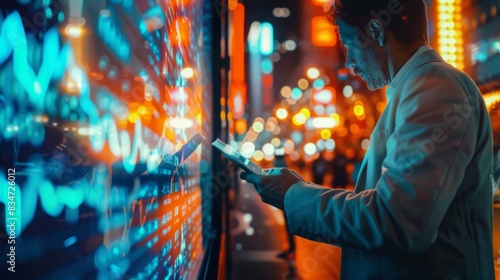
427	154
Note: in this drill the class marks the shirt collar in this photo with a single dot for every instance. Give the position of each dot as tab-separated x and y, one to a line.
406	67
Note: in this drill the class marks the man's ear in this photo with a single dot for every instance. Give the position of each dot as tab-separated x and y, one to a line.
376	31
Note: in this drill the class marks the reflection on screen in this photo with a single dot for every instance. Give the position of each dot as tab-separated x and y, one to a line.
97	99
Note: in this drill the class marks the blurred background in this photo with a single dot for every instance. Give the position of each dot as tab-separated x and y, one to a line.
101	102
301	97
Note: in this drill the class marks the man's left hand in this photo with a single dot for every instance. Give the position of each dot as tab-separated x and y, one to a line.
273	186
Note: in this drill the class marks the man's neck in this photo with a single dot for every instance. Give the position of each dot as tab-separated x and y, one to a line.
399	58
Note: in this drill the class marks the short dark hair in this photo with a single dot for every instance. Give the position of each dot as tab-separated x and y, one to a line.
405	19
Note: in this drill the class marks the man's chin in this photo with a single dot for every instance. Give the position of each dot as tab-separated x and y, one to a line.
373	87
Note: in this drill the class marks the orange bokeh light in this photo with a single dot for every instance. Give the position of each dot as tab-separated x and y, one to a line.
241	126
321	2
323	33
174	4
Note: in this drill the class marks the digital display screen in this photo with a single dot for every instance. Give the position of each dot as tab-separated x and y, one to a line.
104	105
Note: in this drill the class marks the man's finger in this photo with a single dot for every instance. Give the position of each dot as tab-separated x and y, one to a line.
251	178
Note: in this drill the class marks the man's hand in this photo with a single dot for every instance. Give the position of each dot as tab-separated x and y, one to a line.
273	186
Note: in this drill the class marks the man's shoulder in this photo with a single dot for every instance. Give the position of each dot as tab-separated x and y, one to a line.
436	83
439	71
438	77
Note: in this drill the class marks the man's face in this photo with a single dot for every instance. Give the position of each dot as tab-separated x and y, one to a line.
363	55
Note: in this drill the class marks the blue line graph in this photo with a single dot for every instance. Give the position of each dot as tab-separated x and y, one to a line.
14	41
102	128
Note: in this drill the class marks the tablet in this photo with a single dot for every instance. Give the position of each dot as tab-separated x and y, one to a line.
177	159
188	148
231	154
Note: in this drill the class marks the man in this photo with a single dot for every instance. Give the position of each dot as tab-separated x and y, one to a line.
422	206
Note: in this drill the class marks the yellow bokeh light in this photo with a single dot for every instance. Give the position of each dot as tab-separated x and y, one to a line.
444	17
444	49
443	41
299	119
336	117
133	117
306	112
258	155
490	99
199	119
362	117
142	110
359	110
326	134
450	33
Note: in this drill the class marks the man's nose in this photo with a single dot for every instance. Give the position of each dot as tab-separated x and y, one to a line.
350	63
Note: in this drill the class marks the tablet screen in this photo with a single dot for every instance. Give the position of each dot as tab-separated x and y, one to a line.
237	158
